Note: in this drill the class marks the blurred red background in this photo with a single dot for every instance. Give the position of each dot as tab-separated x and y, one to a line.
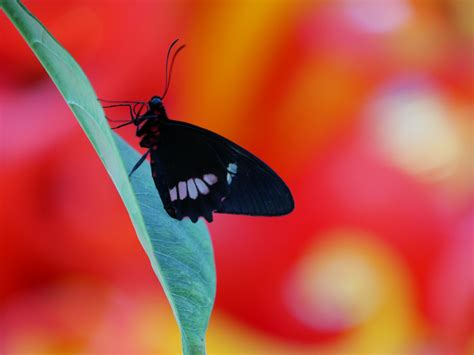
364	107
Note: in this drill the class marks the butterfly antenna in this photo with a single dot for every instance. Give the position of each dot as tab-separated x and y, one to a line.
167	60
168	73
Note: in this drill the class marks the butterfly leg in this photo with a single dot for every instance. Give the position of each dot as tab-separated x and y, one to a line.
122	125
132	114
140	162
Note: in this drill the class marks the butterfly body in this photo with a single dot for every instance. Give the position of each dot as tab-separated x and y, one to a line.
148	125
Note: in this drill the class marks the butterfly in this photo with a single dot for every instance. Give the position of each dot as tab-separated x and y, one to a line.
198	172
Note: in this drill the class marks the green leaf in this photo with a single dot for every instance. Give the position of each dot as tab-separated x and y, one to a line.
180	252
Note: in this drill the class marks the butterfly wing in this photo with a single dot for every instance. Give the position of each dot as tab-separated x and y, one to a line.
198	172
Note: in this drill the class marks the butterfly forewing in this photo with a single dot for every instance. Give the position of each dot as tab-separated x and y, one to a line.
198	172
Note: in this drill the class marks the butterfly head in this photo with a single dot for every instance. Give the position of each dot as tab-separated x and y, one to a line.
155	103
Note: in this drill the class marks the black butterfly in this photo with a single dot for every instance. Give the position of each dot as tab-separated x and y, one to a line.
198	172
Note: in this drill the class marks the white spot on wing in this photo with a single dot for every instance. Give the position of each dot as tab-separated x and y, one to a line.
173	194
231	171
202	187
211	179
193	193
183	192
232	167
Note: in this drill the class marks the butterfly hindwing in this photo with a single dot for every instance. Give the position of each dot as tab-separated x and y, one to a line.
190	182
197	172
